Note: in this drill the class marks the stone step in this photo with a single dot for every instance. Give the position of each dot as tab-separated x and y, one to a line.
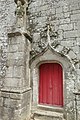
47	115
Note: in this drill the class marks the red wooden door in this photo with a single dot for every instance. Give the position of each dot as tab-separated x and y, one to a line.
51	84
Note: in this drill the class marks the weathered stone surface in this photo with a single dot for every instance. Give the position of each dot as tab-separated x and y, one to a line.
66	27
15	76
75	17
69	34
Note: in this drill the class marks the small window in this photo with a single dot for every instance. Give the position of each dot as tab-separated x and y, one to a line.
51	84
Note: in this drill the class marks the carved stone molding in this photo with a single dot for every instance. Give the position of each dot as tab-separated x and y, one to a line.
46	34
55	45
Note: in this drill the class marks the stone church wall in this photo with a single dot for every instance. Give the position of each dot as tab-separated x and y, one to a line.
63	16
15	89
7	19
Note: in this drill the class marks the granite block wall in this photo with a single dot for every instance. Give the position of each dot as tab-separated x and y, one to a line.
63	16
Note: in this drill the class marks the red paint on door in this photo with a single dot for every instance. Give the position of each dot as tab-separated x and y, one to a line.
51	84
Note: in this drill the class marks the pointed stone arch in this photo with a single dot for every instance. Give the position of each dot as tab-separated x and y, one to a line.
57	48
51	54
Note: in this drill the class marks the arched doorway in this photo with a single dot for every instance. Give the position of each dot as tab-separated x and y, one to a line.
51	84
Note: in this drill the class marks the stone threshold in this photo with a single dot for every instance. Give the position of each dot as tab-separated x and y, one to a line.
51	108
47	113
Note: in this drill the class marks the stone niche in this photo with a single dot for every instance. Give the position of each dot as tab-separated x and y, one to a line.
51	56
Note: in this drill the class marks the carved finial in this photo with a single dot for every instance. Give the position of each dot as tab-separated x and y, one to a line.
19	13
20	9
22	1
48	33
